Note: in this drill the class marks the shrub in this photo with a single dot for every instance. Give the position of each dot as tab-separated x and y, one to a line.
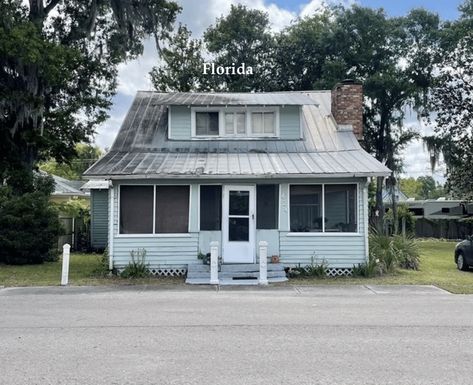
368	269
137	268
316	268
29	224
408	253
394	251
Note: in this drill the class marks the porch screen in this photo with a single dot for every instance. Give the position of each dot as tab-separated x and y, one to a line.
340	208
306	208
210	207
267	201
172	209
136	209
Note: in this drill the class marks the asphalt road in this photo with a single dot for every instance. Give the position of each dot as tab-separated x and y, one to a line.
314	335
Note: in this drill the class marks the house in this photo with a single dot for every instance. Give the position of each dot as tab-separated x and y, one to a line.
64	191
188	169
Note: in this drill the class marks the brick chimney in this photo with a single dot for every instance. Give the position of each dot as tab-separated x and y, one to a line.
347	105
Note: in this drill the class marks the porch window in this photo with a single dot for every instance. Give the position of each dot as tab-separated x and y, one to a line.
206	123
306	208
136	209
172	209
340	208
263	123
267	202
210	207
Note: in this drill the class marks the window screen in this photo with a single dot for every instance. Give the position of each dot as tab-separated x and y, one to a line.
306	208
263	123
267	201
136	209
210	207
206	123
340	208
172	209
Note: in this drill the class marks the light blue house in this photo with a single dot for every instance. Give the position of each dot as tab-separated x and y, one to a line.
187	169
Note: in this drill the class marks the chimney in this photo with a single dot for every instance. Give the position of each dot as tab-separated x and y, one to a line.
347	105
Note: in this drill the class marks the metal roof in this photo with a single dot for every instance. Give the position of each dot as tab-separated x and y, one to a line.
66	187
142	148
268	165
233	99
98	184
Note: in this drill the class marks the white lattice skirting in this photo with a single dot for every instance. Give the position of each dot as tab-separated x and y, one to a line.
339	271
168	271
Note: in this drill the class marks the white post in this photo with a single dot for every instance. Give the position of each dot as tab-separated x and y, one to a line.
263	263
214	263
66	252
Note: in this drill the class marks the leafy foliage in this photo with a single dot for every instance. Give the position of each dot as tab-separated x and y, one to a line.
73	168
316	268
137	268
403	214
29	224
394	251
58	67
424	187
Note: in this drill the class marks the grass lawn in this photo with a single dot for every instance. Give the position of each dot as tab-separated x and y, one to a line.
83	270
436	268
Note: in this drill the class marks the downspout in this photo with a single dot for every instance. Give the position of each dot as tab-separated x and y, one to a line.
365	219
110	226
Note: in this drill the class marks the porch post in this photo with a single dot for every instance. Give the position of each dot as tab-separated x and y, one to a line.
263	263
214	263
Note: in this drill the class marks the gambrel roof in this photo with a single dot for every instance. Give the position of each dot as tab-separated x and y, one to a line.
142	148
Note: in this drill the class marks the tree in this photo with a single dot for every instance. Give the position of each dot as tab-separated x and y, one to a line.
243	36
181	66
58	67
73	168
453	98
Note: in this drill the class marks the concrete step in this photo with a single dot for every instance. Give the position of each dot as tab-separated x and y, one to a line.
250	267
229	274
229	281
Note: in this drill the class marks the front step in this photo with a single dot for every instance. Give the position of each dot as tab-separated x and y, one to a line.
235	274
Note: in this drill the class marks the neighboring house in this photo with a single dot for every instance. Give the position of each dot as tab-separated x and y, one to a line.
400	197
187	169
64	190
441	218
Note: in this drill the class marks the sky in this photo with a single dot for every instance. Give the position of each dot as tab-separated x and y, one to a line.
198	15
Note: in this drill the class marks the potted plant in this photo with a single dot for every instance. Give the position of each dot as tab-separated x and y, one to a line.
275	259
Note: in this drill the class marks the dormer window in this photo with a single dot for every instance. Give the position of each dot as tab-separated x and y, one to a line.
206	123
235	122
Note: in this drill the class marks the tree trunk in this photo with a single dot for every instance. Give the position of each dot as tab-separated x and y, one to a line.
379	206
394	204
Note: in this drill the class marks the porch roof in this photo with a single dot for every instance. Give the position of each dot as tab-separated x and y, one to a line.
133	165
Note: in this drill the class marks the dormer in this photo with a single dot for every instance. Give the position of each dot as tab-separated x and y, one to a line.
235	116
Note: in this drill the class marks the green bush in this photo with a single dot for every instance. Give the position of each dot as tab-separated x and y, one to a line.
316	268
368	269
137	268
394	251
29	224
408	253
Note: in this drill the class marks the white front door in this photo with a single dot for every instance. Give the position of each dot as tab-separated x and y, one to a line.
239	224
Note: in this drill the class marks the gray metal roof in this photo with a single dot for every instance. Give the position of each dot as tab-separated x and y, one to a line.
97	184
233	99
142	148
66	187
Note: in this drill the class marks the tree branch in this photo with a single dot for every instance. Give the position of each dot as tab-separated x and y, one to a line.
52	4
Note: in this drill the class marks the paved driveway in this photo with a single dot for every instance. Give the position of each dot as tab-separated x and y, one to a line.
302	335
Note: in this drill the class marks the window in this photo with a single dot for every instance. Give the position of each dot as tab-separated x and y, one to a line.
340	212
210	207
306	208
172	209
206	123
338	208
235	123
136	209
267	202
263	123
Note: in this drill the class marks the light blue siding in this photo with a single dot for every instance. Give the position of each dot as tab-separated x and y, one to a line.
99	219
289	122
180	122
270	236
160	251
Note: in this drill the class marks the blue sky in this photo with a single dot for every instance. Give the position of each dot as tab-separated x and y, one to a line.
133	75
447	9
